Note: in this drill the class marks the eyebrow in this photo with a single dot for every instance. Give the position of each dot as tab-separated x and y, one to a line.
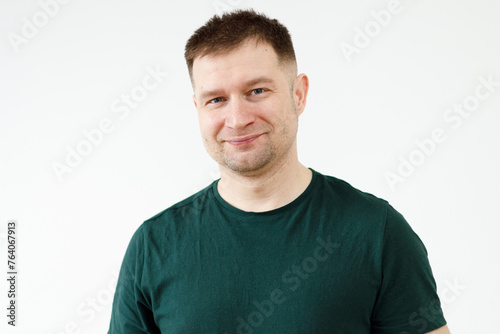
248	83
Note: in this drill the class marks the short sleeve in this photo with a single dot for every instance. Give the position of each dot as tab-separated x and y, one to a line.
407	301
131	311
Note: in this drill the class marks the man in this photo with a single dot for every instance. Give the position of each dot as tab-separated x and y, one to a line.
272	246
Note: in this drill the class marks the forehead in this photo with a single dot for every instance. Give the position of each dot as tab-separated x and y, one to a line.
249	59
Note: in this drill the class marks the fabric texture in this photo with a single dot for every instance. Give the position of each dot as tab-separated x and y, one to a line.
334	260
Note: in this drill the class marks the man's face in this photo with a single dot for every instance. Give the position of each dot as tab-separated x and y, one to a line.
248	107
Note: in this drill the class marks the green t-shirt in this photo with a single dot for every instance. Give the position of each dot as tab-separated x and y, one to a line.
334	260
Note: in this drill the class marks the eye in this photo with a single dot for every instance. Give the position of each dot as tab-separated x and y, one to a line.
216	100
258	91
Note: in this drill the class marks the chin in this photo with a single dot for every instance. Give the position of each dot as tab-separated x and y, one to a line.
251	165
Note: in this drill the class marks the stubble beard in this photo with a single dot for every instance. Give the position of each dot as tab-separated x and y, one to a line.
249	164
269	153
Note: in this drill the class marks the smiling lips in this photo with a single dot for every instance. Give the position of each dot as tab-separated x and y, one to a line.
243	140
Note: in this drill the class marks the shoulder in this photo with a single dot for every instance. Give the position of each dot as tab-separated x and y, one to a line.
360	210
178	212
348	197
375	216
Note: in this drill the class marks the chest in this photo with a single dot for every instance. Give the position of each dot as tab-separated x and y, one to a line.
226	286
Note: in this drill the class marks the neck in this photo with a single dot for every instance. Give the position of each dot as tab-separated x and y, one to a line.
265	191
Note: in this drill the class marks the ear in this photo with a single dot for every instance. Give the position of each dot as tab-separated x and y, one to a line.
194	101
300	89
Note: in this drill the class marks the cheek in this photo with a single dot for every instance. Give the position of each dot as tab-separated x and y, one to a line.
270	111
279	112
209	126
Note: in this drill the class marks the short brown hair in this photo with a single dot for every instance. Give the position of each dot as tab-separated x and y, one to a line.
222	34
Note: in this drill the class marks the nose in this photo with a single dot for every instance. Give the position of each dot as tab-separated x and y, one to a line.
239	114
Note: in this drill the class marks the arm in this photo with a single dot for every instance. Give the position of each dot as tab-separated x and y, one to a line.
407	299
442	330
131	311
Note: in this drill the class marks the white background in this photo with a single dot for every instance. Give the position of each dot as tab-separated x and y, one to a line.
364	112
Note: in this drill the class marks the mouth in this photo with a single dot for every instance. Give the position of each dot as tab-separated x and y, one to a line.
242	140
